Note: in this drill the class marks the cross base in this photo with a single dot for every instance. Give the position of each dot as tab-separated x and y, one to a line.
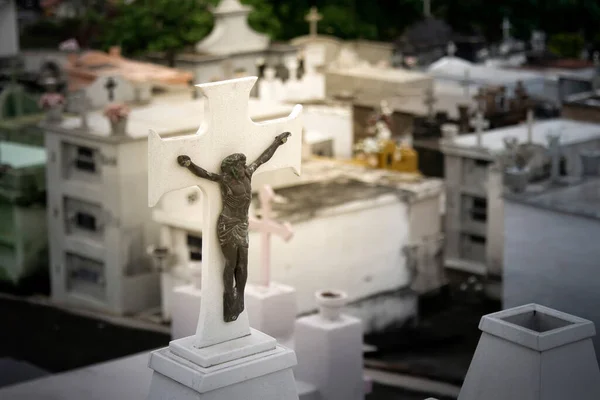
254	343
264	376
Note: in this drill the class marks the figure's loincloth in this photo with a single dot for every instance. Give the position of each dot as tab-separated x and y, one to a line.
232	231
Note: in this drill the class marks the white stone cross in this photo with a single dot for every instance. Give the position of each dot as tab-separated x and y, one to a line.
480	124
530	125
313	17
267	226
227	129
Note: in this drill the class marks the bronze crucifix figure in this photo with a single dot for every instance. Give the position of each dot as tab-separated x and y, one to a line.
232	226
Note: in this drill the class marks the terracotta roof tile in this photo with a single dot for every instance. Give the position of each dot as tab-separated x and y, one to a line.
93	64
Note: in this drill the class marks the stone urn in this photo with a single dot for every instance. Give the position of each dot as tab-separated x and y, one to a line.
54	104
516	179
117	114
590	162
54	113
118	127
330	303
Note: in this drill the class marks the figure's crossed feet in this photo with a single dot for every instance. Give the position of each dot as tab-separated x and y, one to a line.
233	306
230	313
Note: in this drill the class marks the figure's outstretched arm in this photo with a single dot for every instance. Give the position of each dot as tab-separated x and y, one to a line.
268	153
185	161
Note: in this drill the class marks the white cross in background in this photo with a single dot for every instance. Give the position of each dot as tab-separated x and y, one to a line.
267	226
313	17
110	87
529	125
479	123
467	83
227	129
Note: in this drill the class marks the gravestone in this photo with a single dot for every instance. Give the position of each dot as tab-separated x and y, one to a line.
225	359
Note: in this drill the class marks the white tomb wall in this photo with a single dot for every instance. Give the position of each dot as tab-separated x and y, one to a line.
353	251
91	182
9	33
333	122
98	95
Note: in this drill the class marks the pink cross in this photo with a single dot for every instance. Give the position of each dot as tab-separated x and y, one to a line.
266	225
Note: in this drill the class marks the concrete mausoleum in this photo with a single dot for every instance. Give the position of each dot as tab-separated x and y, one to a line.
474	203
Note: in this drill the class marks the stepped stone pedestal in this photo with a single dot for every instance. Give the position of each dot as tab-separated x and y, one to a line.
252	367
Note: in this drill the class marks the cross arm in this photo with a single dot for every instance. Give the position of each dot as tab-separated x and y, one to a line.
268	153
185	161
283	230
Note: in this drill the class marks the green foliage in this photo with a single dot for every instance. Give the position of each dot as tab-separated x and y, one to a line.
263	19
171	25
156	25
566	44
168	26
47	33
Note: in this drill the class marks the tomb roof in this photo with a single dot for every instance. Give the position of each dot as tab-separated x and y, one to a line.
167	116
581	198
454	68
493	140
92	64
327	187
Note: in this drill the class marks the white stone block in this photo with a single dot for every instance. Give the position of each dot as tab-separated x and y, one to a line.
272	309
533	352
185	308
329	351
